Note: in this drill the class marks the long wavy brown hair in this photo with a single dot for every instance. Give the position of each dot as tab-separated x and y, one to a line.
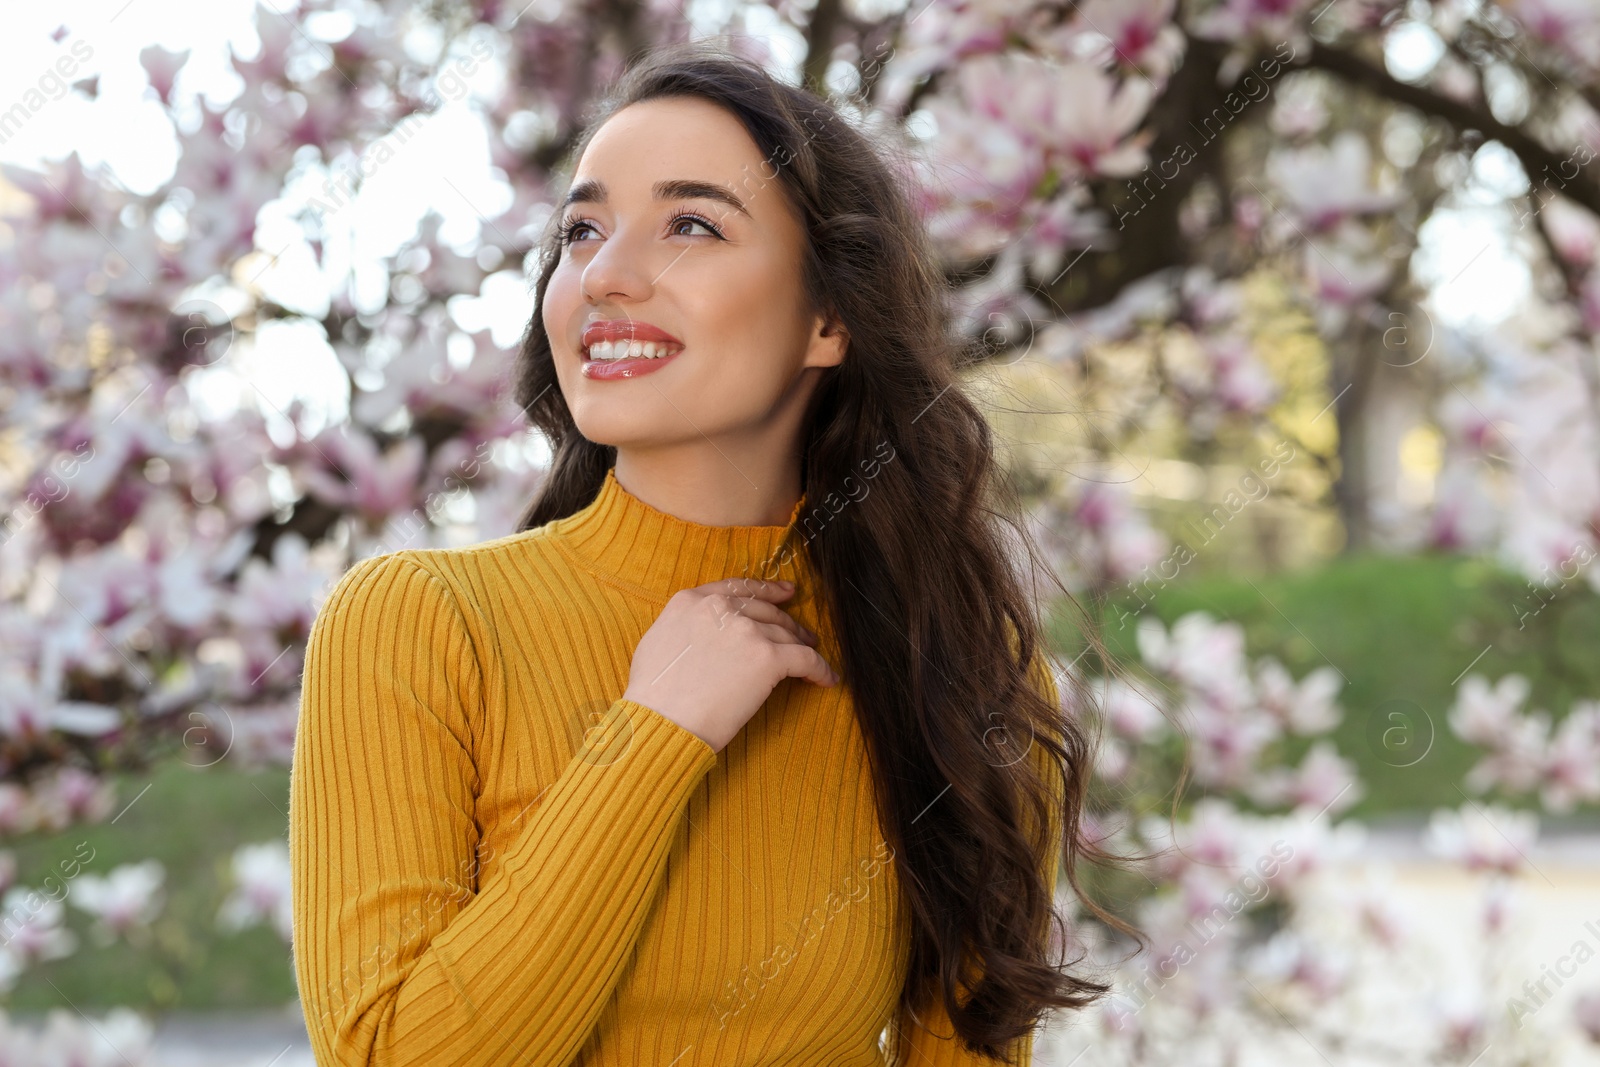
938	642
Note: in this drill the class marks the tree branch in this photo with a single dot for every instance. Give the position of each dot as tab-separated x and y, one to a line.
1535	157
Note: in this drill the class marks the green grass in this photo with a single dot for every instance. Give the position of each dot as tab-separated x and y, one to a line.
191	820
1399	629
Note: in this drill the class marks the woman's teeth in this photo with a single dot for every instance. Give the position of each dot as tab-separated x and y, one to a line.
629	350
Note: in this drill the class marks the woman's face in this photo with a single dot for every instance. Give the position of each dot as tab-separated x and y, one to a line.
717	269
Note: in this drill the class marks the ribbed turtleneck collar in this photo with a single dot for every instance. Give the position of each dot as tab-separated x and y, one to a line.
621	536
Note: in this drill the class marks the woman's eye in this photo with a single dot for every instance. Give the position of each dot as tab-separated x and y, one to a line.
695	221
571	231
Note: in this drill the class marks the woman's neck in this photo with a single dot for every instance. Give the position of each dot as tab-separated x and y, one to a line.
715	488
657	553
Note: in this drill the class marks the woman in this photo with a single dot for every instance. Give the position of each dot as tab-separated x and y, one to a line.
744	750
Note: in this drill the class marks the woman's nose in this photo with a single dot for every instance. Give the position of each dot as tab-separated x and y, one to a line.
620	266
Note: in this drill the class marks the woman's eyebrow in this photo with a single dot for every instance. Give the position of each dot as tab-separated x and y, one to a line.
593	191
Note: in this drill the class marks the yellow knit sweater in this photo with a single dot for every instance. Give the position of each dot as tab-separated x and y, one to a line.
497	860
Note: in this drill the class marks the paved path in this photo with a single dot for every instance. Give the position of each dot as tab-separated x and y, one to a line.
246	1040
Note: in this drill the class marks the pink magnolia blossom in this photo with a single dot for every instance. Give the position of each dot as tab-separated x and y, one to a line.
1304	707
63	190
1516	763
1313	842
261	888
263	735
1240	382
422	381
1344	273
30	710
1291	959
1324	781
162	68
500	503
1298	114
1574	232
1226	747
1586	1011
1139	34
1378	914
18	813
1212	302
1215	835
343	468
1238	19
943	34
1118	1015
1571	27
72	795
1524	752
1495	838
1475	421
1325	185
31	926
1112	759
1571	770
1130	713
1098	539
122	901
1463	1021
1093	122
1201	653
282	596
1457	80
1487	715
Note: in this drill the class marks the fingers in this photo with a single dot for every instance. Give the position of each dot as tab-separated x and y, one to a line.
751	587
726	602
761	611
757	600
800	661
799	657
779	634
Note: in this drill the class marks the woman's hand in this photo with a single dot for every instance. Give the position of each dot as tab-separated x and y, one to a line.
716	652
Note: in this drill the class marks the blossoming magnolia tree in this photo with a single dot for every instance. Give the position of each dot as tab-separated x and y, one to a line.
1106	173
1265	937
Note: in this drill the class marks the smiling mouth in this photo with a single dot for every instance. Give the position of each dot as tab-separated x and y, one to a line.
615	351
612	361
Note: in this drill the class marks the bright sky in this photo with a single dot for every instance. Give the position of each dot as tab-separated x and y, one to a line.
1467	255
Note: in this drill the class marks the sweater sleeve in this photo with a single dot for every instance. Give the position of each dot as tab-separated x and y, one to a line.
933	1043
401	957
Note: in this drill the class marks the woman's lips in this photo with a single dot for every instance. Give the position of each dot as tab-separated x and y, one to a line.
606	370
626	330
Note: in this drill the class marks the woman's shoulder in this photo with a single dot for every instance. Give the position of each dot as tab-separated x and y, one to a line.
468	575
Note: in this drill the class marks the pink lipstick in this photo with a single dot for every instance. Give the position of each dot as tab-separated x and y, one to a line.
625	348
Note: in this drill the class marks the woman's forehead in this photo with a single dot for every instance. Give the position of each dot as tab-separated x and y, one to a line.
673	130
678	148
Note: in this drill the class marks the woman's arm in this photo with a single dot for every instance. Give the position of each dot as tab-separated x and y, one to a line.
932	1044
400	955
